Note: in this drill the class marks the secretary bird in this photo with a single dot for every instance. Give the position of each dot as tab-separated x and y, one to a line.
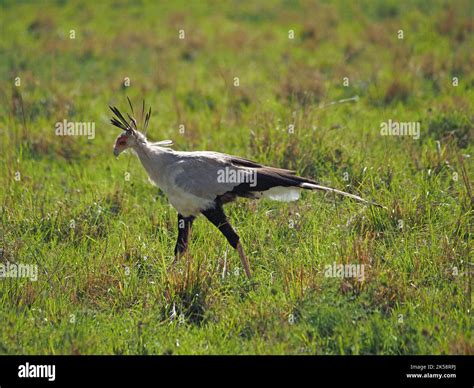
201	182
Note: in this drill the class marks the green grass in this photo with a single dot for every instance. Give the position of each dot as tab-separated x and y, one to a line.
106	287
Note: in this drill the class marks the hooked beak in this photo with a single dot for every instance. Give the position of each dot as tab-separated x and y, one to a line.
116	152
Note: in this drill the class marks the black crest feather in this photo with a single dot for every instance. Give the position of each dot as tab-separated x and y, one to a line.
131	124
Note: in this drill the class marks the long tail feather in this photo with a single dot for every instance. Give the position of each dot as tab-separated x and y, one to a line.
280	183
312	186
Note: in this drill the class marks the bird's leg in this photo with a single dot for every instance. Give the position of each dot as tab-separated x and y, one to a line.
184	228
243	259
219	219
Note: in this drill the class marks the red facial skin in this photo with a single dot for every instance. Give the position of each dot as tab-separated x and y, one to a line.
121	141
120	145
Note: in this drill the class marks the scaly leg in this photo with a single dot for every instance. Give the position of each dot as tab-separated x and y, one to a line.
219	219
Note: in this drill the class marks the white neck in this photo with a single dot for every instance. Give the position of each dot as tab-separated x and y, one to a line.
144	151
150	156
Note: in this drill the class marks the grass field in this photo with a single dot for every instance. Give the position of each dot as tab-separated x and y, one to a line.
253	80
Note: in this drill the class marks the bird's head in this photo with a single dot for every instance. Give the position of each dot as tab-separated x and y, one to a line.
124	141
131	136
